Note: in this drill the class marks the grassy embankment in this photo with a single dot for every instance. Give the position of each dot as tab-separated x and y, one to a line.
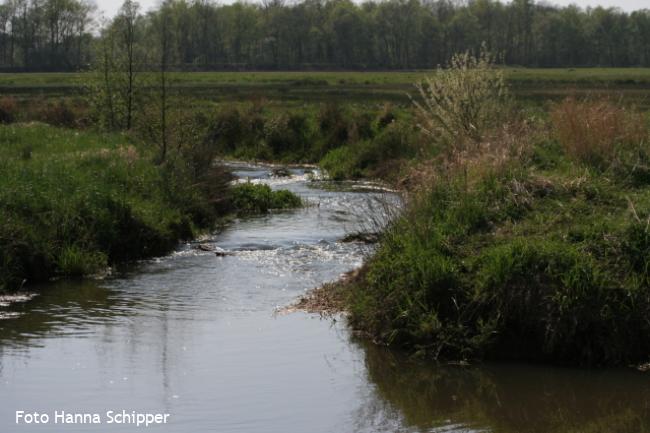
71	202
542	258
530	241
74	201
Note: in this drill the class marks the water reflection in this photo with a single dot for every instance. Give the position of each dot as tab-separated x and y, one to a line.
508	398
65	307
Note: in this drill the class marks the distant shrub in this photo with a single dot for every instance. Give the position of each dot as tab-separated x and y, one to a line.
386	117
227	129
395	141
463	100
26	152
595	132
287	134
370	157
333	126
8	109
58	113
361	126
343	162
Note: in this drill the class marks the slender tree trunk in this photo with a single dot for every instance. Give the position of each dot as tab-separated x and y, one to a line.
107	83
163	88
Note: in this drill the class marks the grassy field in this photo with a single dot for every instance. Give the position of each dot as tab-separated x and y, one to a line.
304	87
579	75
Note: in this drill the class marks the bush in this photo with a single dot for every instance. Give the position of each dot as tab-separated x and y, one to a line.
59	114
343	163
386	117
462	101
598	132
370	157
287	135
361	126
227	129
333	126
8	109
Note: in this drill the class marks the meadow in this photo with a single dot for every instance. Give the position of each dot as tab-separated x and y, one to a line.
345	86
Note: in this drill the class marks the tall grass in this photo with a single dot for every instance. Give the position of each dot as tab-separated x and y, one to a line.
596	132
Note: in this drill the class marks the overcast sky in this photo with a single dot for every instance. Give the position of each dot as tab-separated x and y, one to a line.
111	6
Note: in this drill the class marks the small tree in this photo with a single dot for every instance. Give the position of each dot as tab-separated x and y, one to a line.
463	100
116	88
164	30
126	27
102	87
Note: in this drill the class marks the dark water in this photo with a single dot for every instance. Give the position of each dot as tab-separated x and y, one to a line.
196	336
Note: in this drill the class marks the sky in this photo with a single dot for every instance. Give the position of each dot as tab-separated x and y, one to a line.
110	7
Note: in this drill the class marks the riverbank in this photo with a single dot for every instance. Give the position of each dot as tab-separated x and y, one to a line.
73	202
531	245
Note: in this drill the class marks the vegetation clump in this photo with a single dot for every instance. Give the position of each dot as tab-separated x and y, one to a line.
463	100
599	132
251	198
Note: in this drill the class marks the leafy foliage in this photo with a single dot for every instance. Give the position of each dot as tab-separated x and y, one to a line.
463	100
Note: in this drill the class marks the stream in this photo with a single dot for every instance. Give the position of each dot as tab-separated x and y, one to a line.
200	337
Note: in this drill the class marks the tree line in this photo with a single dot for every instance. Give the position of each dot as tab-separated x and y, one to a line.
324	34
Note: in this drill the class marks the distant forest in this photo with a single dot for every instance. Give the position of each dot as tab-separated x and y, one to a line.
66	35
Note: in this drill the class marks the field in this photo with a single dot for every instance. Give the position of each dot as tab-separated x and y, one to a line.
304	87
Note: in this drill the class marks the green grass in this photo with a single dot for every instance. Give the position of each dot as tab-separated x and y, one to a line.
250	198
362	87
72	202
317	78
514	270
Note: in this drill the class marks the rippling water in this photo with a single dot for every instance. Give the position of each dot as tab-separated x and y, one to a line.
195	335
